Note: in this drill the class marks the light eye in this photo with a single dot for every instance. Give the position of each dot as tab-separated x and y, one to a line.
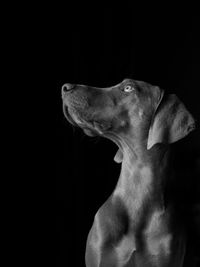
128	88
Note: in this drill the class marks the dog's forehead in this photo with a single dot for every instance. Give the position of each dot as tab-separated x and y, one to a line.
127	80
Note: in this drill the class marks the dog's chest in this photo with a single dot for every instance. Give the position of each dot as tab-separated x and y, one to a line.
157	235
153	244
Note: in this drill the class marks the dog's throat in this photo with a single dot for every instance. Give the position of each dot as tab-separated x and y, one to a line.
134	187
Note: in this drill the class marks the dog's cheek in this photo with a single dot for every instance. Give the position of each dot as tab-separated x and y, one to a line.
120	125
121	121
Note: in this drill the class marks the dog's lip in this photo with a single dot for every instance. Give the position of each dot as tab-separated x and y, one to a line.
89	127
68	115
92	126
95	127
161	96
90	131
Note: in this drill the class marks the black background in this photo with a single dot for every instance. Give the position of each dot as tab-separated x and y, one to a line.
100	47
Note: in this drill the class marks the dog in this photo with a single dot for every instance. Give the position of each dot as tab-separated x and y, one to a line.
137	226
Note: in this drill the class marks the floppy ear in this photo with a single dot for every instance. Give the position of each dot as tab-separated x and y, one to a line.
171	122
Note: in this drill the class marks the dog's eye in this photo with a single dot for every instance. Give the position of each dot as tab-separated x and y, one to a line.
128	88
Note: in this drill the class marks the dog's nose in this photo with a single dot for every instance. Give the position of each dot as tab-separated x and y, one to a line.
66	87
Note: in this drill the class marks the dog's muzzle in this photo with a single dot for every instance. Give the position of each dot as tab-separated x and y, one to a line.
80	110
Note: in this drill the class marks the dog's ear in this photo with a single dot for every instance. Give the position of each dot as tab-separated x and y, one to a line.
170	123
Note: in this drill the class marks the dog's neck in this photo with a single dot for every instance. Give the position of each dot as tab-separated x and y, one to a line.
139	182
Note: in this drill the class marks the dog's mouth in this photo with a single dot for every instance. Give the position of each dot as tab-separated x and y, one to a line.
91	125
94	128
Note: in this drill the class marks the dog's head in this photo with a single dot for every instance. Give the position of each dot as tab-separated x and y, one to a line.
132	110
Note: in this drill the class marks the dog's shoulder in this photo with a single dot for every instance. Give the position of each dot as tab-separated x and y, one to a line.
111	222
